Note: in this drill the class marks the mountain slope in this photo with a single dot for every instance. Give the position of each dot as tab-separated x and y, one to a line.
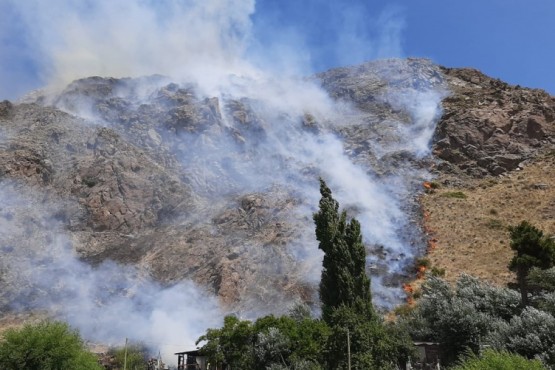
220	189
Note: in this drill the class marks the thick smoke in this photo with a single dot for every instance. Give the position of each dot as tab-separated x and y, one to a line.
193	39
107	303
301	135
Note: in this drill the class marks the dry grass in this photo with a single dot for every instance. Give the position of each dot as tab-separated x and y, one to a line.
471	231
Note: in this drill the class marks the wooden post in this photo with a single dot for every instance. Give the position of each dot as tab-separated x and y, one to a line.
125	356
348	350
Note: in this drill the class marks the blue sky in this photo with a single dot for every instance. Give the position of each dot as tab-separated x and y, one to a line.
507	39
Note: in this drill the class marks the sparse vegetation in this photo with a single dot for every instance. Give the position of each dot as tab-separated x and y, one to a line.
435	185
495	224
438	272
89	181
423	262
454	194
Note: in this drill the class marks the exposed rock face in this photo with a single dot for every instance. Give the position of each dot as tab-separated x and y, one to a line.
489	127
130	159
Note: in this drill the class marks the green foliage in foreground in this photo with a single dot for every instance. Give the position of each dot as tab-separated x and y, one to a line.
269	342
137	356
492	360
45	346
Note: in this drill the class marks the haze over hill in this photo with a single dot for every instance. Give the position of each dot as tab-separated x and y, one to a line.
148	207
175	187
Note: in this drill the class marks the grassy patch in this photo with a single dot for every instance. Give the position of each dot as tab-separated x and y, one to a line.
436	271
423	261
454	194
495	224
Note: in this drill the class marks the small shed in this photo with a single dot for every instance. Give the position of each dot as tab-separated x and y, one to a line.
428	355
191	360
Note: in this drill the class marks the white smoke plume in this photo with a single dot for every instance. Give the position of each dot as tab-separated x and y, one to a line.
193	39
107	303
205	42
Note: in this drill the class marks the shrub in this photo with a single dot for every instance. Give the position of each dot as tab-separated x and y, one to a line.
439	272
492	360
45	346
137	356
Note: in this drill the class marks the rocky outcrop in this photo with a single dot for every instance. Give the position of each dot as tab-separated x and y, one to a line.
489	127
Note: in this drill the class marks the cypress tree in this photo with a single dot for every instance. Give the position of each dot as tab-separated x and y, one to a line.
344	281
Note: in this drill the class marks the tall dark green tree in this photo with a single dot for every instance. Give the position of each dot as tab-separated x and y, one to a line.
532	249
344	281
346	299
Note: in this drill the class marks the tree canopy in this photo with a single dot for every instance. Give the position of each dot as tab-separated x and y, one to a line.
532	249
344	280
45	346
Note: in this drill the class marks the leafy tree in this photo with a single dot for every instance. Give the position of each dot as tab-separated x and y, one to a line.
492	360
307	336
462	318
532	249
373	345
529	334
45	346
270	341
344	280
233	344
136	358
542	287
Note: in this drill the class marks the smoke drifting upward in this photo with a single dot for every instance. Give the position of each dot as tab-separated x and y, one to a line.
106	303
202	41
189	39
263	130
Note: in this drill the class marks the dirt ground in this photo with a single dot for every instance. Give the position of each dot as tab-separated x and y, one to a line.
467	224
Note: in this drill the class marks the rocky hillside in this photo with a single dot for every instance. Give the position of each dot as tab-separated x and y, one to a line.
495	148
220	189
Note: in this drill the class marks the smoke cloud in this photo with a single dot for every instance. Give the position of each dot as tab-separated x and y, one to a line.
107	303
210	43
192	39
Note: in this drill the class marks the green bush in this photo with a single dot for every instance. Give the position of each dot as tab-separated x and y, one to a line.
45	346
136	358
492	360
437	271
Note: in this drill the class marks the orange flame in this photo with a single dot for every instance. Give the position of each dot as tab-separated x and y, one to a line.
421	272
409	290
